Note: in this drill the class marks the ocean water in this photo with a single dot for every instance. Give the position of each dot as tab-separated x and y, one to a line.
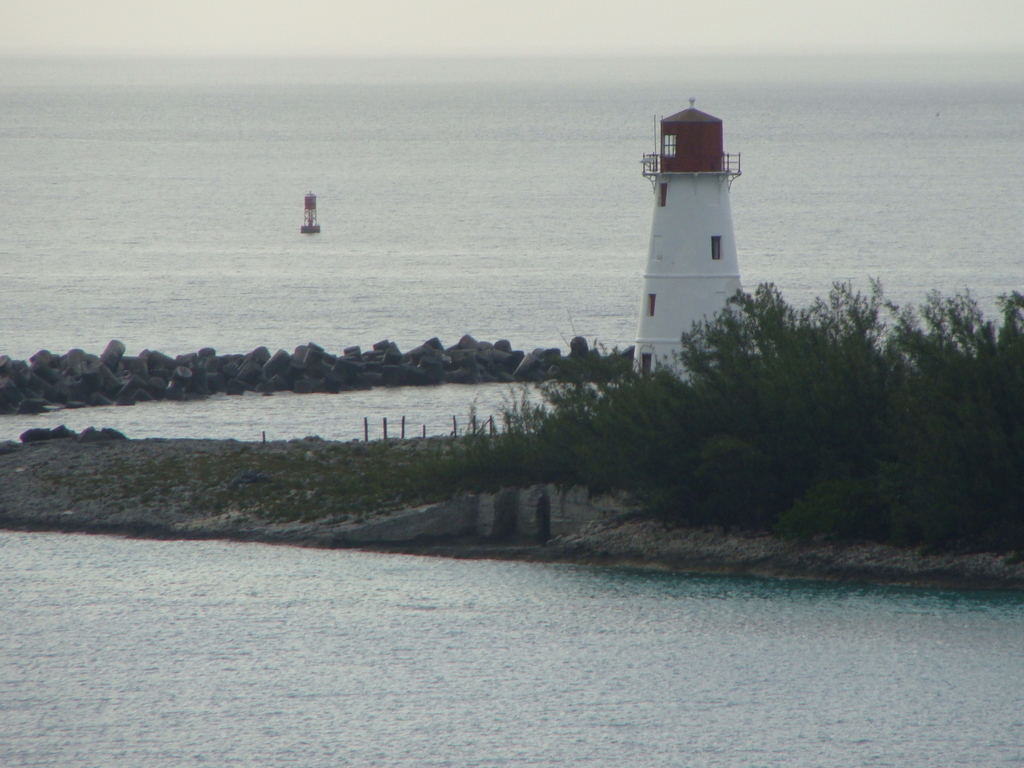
144	654
159	203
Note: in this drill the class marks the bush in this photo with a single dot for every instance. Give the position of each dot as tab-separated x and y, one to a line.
851	419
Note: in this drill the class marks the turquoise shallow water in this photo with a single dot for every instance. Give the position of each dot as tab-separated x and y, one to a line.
116	652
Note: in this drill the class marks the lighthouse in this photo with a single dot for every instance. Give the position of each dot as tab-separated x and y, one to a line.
691	262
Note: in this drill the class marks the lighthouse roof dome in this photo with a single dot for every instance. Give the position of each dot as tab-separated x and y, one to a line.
691	115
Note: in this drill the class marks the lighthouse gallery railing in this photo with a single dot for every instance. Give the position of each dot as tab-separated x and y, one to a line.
730	165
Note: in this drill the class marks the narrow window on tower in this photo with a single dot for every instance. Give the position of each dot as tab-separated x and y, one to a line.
663	189
716	247
650	304
668	145
645	362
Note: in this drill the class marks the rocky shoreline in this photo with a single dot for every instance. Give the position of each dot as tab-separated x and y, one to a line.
77	379
223	489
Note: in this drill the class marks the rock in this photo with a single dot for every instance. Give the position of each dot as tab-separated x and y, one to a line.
250	372
392	355
41	388
216	382
579	347
199	384
234	387
503	345
92	435
158	360
212	364
112	354
41	359
109	383
260	355
135	365
468	342
381	346
34	435
391	376
32	405
513	360
303	386
335	383
352	352
348	369
157	386
277	364
10	393
188	360
97	399
175	390
183	375
265	386
72	362
461	376
113	434
529	366
127	389
433	370
20	373
142	396
314	354
62	433
367	380
206	352
458	357
47	373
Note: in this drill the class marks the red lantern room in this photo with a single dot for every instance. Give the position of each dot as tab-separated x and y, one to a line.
691	142
309	225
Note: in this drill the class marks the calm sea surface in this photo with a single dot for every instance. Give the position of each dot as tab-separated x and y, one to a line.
159	203
141	653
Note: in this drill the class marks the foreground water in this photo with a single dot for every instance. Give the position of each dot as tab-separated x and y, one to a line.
140	653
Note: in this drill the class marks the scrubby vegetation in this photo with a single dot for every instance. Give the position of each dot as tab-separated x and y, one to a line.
307	479
852	419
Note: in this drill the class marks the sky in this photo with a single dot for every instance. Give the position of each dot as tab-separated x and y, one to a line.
412	28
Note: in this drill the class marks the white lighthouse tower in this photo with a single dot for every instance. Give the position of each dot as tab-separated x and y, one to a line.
691	264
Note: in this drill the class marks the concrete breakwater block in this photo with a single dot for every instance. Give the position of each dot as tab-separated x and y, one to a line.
76	379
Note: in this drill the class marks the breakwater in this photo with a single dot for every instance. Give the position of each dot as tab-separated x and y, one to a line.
78	379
